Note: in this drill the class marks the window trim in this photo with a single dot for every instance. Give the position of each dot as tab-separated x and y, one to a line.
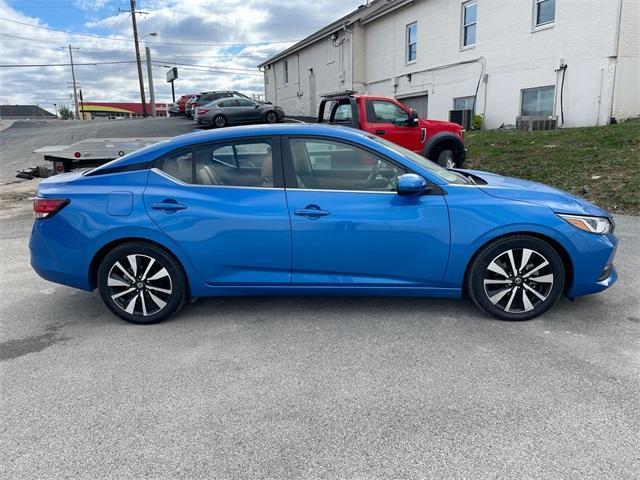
276	153
534	20
408	43
553	107
291	179
464	26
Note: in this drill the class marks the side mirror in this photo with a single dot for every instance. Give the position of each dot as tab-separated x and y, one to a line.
414	119
257	106
411	184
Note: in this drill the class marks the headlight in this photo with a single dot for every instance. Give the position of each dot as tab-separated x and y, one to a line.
601	225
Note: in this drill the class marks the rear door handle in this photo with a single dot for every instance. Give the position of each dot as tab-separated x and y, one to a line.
311	211
168	206
380	132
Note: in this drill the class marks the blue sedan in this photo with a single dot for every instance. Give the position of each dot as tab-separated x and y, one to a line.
312	210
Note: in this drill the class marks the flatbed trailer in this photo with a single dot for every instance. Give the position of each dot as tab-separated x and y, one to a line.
88	153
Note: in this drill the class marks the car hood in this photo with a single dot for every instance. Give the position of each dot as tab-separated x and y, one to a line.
441	124
537	193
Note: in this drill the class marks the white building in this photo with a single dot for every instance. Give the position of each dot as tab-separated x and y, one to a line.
438	55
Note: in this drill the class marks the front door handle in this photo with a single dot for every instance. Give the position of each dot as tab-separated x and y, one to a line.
380	132
168	205
311	211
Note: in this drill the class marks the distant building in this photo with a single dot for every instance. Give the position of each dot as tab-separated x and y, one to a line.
93	110
533	60
17	112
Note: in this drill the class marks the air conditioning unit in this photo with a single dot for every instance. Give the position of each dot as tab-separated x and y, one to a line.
531	124
462	117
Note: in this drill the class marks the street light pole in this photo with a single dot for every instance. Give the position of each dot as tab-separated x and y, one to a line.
135	40
152	98
73	77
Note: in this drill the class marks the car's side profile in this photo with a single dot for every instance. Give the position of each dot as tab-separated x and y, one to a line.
312	210
234	111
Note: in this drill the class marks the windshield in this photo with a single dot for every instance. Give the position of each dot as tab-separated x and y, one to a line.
449	175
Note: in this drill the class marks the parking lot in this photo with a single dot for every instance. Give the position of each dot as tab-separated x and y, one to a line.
312	387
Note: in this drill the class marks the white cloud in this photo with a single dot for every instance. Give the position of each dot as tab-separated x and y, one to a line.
177	22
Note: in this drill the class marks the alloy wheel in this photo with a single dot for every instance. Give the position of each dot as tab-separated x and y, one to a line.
139	285
272	117
220	121
518	280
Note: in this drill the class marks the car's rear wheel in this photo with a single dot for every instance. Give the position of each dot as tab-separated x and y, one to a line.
516	278
271	117
219	121
141	283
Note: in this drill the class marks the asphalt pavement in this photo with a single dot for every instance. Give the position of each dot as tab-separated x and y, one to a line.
296	388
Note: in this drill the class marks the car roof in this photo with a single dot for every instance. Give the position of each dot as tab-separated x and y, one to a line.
205	136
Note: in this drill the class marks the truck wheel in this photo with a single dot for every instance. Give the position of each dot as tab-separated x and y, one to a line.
446	159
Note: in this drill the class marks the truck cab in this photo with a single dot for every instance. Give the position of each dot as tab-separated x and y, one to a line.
439	141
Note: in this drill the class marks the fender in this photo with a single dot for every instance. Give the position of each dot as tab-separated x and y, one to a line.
439	137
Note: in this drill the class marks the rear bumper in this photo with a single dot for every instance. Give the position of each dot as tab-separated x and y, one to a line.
62	268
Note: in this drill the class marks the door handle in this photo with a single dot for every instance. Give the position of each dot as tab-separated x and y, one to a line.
311	211
380	132
169	206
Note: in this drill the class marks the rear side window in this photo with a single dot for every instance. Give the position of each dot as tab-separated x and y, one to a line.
238	164
179	166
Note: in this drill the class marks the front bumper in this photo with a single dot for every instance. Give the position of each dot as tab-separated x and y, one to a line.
593	268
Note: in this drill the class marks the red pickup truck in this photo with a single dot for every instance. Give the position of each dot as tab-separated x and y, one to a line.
437	140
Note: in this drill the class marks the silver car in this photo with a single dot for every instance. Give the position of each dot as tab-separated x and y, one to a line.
230	111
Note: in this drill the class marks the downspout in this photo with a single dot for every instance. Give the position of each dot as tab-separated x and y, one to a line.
615	60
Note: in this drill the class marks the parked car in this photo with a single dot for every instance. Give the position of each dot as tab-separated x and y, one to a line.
173	110
314	210
182	102
208	97
232	111
437	140
189	105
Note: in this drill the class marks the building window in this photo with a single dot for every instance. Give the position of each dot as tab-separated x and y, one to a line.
469	20
285	68
412	42
463	103
538	102
544	12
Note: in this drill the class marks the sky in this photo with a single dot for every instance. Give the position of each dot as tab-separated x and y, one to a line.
219	42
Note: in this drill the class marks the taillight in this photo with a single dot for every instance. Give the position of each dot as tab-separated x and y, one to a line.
48	207
59	167
77	154
202	111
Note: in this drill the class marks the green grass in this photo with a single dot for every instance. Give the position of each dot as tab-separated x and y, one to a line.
600	164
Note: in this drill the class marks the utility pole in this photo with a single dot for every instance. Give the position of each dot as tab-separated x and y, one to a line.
73	77
152	98
55	109
135	40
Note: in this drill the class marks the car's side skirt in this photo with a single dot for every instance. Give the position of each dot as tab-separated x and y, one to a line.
325	290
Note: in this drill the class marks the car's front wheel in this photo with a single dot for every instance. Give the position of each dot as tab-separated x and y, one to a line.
516	278
141	283
271	117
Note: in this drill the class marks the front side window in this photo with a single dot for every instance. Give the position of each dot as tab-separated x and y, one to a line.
469	20
538	102
285	71
243	102
380	111
331	165
544	12
463	103
412	42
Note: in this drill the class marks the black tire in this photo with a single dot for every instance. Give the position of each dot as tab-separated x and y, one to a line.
151	302
271	117
219	121
532	290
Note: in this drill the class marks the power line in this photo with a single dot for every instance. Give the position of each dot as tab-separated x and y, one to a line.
150	43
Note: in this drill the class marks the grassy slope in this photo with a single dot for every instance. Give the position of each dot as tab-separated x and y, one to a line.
601	164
